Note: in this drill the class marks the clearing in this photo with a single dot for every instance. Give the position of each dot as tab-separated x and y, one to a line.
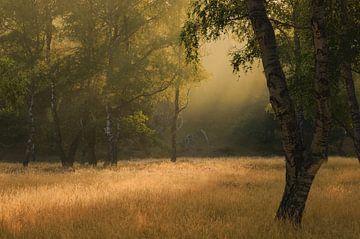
193	198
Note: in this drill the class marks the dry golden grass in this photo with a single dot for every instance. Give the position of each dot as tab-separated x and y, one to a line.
194	198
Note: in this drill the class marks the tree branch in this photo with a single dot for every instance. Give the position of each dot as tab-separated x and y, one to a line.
288	25
145	94
343	125
187	101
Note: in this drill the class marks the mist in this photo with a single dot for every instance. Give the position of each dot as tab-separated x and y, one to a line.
225	98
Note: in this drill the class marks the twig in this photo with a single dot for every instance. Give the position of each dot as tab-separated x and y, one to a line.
342	124
145	94
289	25
187	101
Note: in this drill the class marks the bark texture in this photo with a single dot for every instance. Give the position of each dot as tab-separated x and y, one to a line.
319	147
301	168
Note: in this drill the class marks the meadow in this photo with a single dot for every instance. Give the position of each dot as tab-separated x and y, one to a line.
193	198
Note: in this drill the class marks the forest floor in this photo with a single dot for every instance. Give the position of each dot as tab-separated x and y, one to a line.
194	198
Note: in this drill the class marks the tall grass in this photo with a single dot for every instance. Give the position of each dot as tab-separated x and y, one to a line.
194	198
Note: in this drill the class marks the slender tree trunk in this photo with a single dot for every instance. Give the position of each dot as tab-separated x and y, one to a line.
30	144
297	53
92	147
300	169
112	140
115	148
340	146
56	125
109	135
174	124
83	156
346	71
84	147
73	149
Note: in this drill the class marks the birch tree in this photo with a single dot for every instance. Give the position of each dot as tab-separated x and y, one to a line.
209	20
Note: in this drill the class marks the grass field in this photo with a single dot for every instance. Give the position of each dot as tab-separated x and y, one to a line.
194	198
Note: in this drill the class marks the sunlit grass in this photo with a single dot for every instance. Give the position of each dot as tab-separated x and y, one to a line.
194	198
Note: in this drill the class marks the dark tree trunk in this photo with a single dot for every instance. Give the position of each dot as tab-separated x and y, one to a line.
69	159
92	147
300	169
114	153
73	149
83	159
346	71
297	54
112	140
30	144
340	146
57	130
84	147
115	147
109	136
174	124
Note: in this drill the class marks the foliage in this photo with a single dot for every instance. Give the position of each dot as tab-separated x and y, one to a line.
122	54
135	129
208	20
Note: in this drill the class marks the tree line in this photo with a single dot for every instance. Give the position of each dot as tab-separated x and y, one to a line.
89	74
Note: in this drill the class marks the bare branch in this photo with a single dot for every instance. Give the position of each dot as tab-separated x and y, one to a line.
147	94
343	125
151	51
289	25
187	101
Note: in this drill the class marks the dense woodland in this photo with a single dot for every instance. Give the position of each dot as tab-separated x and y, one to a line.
93	80
108	80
